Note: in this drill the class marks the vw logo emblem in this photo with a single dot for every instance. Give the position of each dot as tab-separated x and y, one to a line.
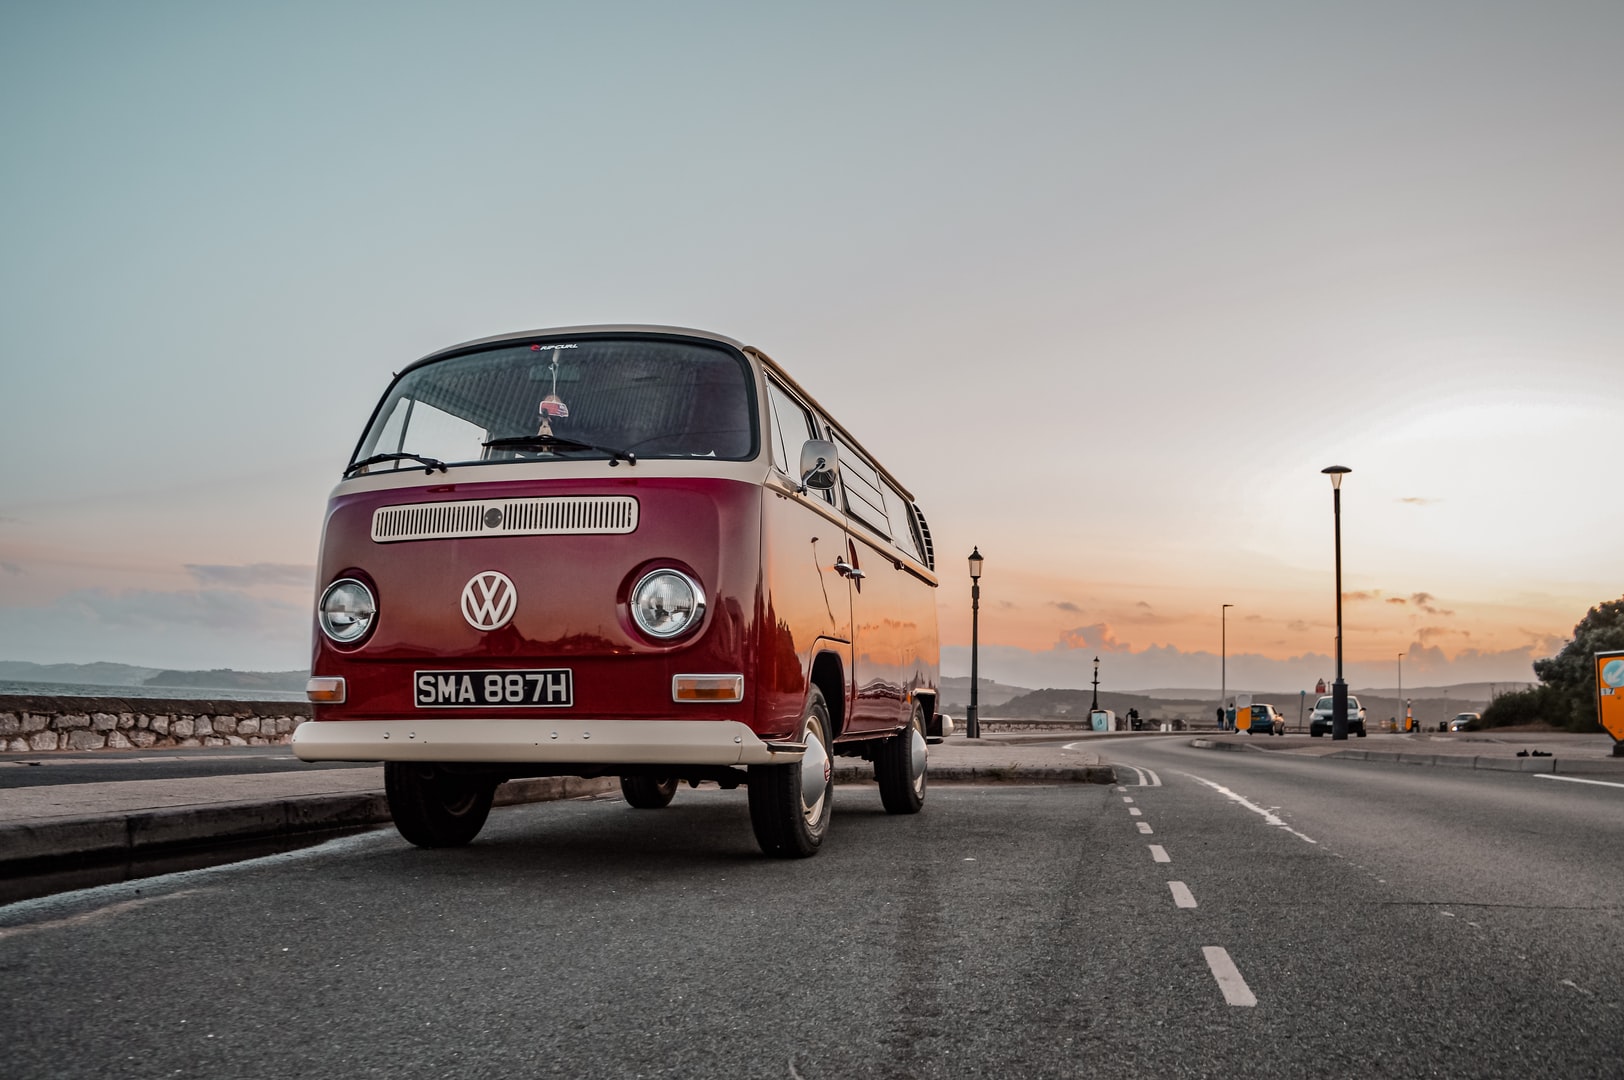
489	600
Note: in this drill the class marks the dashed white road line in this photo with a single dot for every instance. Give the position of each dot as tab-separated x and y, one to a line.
1126	798
1158	853
1182	896
1576	780
1267	815
1236	992
1134	811
1144	827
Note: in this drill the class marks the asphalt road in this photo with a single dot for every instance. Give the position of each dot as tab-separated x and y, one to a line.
1354	920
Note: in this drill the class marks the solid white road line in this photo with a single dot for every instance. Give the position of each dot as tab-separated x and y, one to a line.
1268	815
1158	853
1147	777
1236	992
1134	811
1144	827
1576	780
1181	894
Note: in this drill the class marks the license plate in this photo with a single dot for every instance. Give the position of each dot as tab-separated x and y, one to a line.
538	688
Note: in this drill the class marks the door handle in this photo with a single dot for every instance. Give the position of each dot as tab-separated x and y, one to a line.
847	570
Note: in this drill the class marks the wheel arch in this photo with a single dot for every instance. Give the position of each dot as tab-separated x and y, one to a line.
828	675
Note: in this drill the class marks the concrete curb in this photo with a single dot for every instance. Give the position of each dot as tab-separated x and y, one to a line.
1456	761
147	832
1551	764
993	774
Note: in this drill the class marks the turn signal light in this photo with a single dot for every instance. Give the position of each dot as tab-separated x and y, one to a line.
325	691
707	688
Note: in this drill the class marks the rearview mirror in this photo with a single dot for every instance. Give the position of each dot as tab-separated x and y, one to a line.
820	463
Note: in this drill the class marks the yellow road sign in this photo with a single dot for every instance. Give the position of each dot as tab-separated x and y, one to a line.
1610	693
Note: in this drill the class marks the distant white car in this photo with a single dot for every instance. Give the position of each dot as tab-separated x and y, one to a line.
1466	721
1319	722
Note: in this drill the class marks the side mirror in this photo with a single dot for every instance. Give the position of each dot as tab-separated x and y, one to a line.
820	463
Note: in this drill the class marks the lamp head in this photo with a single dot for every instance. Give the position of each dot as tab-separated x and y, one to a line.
975	564
1336	473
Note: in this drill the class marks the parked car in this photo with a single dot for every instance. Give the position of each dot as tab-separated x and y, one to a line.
1266	720
1466	721
1319	722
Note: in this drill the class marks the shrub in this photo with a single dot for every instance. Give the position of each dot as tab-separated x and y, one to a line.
1536	705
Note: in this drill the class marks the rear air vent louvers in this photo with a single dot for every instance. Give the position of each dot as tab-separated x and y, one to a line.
923	532
556	516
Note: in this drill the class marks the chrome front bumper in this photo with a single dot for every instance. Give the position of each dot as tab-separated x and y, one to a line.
586	742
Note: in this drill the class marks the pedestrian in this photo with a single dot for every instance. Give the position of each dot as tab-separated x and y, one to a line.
1221	718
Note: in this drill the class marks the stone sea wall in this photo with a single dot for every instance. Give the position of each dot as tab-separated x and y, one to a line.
37	722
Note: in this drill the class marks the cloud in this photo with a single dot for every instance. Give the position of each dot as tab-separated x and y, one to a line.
1098	637
1361	594
244	577
1428	634
1142	604
1418	500
219	609
13	569
1397	600
1066	605
1424	601
1300	626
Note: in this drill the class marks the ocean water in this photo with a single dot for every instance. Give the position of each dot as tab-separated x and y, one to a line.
176	693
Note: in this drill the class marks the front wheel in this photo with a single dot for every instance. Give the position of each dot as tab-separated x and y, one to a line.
433	808
648	793
789	804
900	767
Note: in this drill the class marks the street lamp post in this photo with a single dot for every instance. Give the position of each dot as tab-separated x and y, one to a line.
1339	689
1401	687
1223	665
1092	709
972	719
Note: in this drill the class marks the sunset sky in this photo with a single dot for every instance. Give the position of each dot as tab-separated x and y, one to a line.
1105	285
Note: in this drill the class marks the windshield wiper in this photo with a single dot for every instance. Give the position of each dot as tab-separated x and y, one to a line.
553	442
429	464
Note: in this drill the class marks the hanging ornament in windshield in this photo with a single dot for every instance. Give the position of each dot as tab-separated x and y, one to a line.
552	406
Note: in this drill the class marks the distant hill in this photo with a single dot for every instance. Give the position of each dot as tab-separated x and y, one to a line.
227	679
956	692
108	674
98	674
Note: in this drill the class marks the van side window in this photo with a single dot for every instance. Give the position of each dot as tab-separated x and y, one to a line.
864	499
791	428
900	511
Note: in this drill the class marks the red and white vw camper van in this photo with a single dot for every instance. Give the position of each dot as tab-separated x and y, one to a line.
627	551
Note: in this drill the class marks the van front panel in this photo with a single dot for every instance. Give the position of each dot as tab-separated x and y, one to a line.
569	609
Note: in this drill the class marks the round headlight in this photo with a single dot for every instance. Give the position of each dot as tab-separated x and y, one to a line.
667	603
347	611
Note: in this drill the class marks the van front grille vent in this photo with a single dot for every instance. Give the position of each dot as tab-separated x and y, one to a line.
555	516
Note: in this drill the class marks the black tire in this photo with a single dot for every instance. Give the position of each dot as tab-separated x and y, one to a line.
1360	733
433	808
789	810
1315	734
647	793
901	767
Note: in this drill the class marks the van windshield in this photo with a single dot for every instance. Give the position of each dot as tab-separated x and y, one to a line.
592	398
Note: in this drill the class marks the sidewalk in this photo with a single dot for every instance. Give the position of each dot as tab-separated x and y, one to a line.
139	817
